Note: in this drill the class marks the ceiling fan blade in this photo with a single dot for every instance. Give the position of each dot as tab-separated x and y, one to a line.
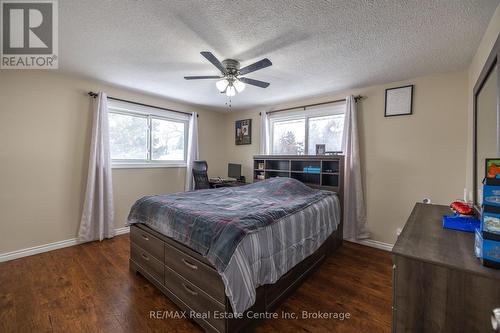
210	57
253	82
256	66
201	77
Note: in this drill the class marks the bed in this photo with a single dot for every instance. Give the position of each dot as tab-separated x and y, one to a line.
222	254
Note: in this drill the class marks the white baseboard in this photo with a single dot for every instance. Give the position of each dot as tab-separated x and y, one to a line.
121	231
375	244
49	247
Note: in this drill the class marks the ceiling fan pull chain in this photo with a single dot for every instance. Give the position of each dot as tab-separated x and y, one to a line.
228	103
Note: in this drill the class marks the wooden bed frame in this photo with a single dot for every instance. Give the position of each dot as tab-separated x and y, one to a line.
191	282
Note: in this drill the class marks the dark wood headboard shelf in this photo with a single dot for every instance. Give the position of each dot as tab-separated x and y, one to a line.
328	176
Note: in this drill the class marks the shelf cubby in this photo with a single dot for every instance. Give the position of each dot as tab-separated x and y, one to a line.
276	173
330	166
301	164
281	165
307	178
330	180
259	164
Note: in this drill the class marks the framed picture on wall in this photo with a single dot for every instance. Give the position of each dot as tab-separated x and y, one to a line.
243	132
399	101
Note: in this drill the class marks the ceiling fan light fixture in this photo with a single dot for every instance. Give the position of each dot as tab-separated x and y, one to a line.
230	91
222	85
239	86
230	80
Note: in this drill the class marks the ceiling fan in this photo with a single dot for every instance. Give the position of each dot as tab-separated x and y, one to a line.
230	79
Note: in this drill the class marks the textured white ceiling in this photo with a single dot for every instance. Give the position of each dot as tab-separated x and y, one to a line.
316	46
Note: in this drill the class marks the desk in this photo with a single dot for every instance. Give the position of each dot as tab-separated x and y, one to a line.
226	183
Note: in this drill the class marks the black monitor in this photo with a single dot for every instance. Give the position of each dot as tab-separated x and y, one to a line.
234	170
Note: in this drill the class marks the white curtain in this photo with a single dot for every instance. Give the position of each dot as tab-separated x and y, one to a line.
98	212
354	204
192	153
264	133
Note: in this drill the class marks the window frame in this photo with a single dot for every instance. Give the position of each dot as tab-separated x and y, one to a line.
150	113
306	114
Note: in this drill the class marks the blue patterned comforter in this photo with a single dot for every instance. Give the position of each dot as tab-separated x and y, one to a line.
213	222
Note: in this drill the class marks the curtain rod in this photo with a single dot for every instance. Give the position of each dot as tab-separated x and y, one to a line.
356	98
94	95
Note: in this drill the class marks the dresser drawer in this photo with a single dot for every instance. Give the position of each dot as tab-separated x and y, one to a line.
196	272
148	242
194	297
148	262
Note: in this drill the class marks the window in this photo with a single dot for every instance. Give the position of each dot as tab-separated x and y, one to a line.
128	137
298	133
326	130
141	136
288	137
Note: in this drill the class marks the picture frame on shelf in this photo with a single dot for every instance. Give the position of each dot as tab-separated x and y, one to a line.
320	149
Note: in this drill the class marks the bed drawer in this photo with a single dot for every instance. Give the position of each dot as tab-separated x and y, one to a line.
196	272
147	242
148	262
194	297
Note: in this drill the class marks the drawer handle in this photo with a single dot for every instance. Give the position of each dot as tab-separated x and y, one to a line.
188	264
145	237
189	290
495	320
145	256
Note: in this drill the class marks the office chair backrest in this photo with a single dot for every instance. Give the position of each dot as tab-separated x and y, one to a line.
200	175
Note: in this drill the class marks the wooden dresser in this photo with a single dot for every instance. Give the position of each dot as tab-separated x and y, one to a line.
438	284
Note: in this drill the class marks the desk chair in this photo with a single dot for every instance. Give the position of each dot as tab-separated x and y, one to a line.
200	175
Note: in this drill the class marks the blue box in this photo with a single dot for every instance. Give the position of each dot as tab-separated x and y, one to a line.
491	195
490	225
478	244
312	170
462	223
487	250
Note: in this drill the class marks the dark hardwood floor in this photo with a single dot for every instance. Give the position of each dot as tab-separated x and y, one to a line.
88	288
